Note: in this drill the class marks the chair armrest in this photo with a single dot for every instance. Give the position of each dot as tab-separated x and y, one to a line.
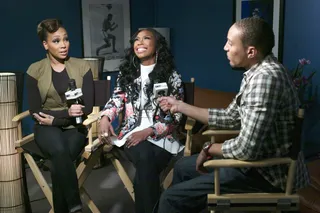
21	116
91	119
220	132
189	123
24	140
238	163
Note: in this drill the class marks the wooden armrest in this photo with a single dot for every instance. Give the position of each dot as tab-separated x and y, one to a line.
21	116
220	132
94	146
91	118
238	163
189	123
24	140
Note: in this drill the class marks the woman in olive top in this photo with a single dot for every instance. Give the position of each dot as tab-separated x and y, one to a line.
56	133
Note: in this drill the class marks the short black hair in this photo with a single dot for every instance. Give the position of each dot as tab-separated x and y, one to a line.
258	33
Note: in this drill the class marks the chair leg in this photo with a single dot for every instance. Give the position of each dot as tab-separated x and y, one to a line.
168	180
85	196
86	166
25	186
39	177
123	175
83	171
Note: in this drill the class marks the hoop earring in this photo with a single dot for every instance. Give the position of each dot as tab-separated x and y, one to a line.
156	57
133	61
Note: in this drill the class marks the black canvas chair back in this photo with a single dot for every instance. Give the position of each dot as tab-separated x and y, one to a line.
101	92
189	91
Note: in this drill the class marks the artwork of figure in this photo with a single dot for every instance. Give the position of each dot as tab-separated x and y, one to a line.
110	39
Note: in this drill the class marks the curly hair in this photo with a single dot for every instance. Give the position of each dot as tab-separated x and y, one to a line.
130	67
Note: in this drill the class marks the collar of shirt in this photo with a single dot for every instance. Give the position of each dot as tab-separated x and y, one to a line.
249	73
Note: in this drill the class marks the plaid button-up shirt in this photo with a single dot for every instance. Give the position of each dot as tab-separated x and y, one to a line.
265	110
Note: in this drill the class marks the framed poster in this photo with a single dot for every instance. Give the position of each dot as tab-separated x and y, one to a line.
106	30
270	10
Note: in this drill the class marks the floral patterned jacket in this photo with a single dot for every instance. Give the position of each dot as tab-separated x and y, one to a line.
163	126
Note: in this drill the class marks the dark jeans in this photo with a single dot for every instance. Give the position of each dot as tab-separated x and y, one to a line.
62	147
149	160
189	189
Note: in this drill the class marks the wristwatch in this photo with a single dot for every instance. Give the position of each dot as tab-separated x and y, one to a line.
206	146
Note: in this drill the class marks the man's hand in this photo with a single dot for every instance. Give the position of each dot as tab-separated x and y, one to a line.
105	130
138	136
43	119
202	157
169	103
75	110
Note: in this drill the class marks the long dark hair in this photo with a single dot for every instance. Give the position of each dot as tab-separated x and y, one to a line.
130	67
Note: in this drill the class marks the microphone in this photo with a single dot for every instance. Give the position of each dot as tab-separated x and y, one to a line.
74	96
159	90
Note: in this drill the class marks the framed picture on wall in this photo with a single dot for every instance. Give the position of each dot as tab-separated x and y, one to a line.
106	30
270	10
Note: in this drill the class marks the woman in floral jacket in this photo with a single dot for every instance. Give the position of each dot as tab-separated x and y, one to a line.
148	132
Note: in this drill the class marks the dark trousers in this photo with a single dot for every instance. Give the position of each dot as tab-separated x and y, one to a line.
189	189
62	147
149	160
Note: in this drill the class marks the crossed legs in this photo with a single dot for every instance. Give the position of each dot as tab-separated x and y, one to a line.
62	147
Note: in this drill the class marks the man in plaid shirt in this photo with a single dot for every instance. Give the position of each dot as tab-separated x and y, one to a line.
264	110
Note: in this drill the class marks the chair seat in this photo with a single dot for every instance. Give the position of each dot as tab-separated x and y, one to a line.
33	149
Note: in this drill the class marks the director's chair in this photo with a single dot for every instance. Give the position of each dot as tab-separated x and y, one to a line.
276	202
114	153
27	147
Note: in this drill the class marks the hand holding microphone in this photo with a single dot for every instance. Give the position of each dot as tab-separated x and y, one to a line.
75	110
75	101
169	104
160	90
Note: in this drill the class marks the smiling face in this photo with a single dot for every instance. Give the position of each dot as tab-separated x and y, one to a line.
57	44
145	47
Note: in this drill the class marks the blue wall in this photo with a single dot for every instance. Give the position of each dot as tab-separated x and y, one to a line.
301	40
20	45
198	34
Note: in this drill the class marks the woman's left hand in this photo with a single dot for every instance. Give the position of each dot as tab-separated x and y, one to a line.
138	136
43	119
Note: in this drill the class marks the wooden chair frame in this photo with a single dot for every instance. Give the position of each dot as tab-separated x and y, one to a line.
276	202
90	154
113	153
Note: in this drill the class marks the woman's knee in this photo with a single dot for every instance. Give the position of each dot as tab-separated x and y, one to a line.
141	154
59	152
